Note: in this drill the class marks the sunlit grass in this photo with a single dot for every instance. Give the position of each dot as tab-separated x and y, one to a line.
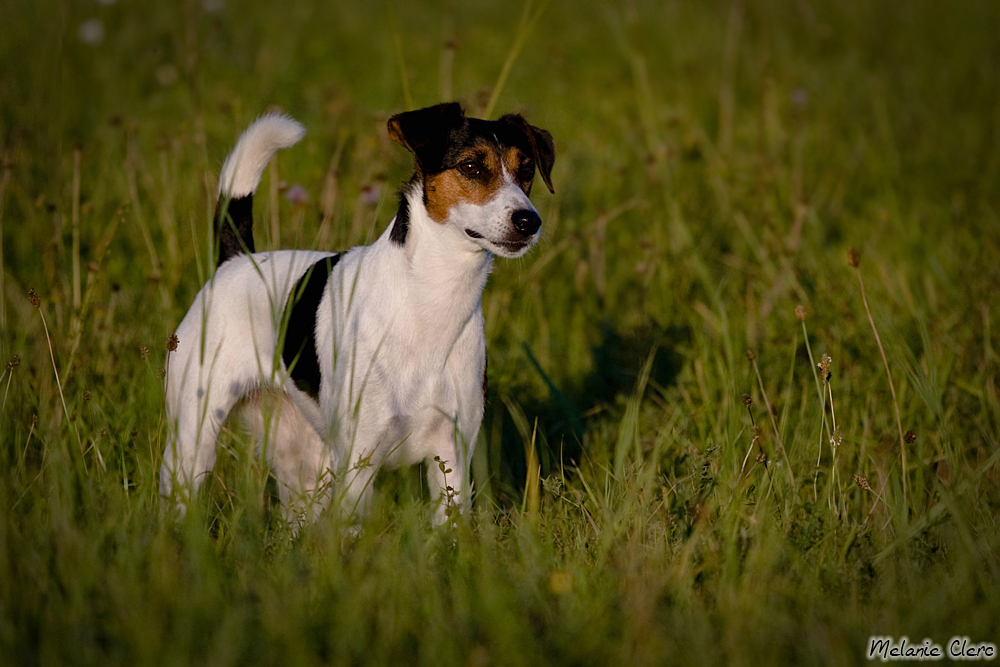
714	165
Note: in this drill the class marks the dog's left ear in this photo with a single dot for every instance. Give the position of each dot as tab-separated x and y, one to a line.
426	132
543	149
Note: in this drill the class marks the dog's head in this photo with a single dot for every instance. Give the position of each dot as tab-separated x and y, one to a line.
477	174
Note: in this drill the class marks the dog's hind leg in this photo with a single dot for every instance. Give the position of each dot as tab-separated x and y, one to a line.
297	454
197	415
205	380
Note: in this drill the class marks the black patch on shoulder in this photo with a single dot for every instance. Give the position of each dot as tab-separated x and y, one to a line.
402	223
236	237
299	349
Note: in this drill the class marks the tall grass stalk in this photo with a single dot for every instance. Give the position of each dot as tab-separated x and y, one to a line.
4	180
524	29
727	105
770	413
75	219
397	47
800	314
854	259
37	303
11	365
131	167
836	438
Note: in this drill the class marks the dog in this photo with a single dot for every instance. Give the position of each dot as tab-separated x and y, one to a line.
341	363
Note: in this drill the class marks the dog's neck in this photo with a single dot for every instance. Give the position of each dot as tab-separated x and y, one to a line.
442	272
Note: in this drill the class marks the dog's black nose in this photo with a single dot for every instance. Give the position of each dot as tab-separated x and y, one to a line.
526	222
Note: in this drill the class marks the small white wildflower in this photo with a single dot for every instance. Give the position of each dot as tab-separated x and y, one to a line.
91	32
166	74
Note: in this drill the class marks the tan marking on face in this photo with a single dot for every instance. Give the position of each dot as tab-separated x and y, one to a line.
450	187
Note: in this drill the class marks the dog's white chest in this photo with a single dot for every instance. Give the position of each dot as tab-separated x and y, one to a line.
396	369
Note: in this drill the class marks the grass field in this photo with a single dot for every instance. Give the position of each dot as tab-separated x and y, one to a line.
715	163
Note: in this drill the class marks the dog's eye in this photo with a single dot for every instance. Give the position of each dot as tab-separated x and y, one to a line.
470	168
526	172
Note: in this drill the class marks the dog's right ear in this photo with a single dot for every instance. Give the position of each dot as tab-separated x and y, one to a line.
426	132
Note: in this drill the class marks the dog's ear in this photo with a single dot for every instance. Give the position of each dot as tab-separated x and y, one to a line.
426	132
543	148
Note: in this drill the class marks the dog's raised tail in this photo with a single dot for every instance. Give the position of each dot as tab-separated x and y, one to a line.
240	176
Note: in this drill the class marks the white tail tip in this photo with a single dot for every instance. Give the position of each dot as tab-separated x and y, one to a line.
257	145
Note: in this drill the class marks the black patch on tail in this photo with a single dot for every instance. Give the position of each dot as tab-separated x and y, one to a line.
299	349
236	237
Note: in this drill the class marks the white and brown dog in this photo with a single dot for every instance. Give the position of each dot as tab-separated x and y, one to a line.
345	362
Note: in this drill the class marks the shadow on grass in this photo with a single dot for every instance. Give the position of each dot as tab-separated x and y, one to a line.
562	415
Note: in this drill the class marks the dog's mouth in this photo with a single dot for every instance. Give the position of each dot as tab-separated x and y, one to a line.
505	248
513	246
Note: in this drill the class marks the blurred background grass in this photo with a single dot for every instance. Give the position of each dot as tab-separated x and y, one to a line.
714	162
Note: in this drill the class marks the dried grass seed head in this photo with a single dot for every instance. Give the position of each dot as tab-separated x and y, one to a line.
144	353
13	362
824	366
862	481
853	257
33	297
172	342
910	437
747	401
800	313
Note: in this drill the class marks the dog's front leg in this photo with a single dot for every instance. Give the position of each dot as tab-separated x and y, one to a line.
448	471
